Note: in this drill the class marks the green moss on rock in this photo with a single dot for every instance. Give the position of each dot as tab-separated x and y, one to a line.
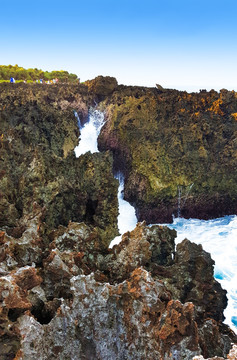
174	143
39	132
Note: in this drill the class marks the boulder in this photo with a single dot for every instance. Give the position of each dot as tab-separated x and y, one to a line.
102	86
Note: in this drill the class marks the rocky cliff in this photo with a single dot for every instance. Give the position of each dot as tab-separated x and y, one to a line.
178	151
63	293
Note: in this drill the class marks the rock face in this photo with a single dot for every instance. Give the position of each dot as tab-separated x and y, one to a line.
63	293
38	165
231	356
83	302
102	86
178	151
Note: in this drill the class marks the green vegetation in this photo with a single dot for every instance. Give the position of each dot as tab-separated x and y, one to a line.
16	81
21	74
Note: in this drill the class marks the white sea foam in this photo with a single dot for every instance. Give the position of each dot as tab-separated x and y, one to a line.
127	219
89	133
78	119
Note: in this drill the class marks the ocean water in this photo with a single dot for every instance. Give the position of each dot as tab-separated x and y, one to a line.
218	236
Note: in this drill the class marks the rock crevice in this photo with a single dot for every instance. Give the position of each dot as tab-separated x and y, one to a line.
63	293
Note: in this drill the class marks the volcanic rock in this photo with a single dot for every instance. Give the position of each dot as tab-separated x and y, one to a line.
102	86
178	151
133	313
64	294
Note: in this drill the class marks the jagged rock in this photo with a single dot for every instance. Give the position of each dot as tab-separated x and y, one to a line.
102	86
12	296
231	356
106	322
193	276
160	88
27	278
39	133
64	294
26	247
177	323
128	307
132	320
177	150
77	237
144	246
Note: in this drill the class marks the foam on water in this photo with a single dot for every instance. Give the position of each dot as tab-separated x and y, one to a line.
90	132
219	238
78	119
127	219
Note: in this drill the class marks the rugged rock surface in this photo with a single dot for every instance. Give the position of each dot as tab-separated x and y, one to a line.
231	356
63	293
38	135
83	302
101	86
178	151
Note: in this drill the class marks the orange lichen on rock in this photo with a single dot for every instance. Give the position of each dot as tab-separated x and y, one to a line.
19	355
216	107
234	116
12	296
2	234
178	318
136	300
27	278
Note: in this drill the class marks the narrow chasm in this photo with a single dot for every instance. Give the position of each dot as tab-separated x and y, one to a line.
79	277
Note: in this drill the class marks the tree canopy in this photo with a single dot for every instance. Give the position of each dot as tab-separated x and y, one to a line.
19	73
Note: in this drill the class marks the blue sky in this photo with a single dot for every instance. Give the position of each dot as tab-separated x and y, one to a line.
186	44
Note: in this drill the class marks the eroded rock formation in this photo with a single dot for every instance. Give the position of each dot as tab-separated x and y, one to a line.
178	151
231	356
38	135
63	293
140	300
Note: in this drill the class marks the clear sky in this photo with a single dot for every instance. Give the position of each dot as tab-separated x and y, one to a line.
185	44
